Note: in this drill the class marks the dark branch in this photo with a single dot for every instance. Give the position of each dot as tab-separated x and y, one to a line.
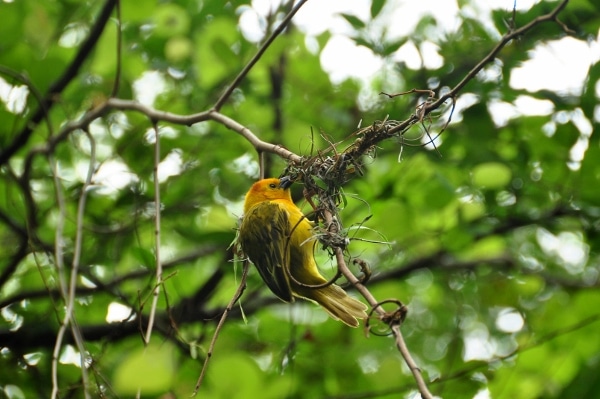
507	38
60	84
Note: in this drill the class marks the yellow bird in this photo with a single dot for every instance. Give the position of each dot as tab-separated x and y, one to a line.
279	240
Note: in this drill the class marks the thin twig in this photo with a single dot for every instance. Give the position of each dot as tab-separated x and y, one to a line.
156	290
110	285
60	84
507	38
257	56
76	263
80	343
117	82
551	16
26	233
536	343
412	365
69	296
60	271
211	347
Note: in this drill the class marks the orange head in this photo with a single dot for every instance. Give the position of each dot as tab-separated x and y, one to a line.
268	190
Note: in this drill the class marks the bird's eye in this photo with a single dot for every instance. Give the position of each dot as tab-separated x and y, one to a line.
273	185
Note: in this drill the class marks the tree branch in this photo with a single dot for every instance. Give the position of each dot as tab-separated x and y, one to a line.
376	305
257	56
115	282
61	83
228	308
157	115
157	239
551	16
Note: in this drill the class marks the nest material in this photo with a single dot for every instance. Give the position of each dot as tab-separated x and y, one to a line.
324	174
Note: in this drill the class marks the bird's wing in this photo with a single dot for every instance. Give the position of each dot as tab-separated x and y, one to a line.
264	237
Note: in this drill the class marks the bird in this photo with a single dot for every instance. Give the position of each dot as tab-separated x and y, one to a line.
276	236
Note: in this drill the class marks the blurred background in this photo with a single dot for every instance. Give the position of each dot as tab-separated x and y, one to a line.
488	232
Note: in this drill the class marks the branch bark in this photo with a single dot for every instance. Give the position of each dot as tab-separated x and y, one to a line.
375	304
507	38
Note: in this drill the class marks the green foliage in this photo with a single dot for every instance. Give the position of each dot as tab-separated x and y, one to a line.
150	369
491	239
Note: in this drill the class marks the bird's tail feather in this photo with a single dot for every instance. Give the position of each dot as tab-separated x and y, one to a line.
337	303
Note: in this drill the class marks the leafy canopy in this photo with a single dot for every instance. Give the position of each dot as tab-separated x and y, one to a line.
483	222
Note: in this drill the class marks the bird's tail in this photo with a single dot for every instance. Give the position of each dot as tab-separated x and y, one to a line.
337	303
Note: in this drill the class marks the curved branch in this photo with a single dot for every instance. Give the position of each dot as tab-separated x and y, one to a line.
551	16
109	286
376	305
39	335
157	115
259	145
14	262
61	83
257	56
238	293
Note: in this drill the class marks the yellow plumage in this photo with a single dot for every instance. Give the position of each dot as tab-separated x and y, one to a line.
278	239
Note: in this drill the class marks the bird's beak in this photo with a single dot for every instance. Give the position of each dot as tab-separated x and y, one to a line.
285	182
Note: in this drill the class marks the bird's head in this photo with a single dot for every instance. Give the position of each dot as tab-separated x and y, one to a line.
268	190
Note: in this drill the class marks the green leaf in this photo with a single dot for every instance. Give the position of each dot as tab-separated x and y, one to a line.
150	370
491	175
505	191
486	248
356	22
144	257
178	48
214	59
138	11
171	20
376	7
391	47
